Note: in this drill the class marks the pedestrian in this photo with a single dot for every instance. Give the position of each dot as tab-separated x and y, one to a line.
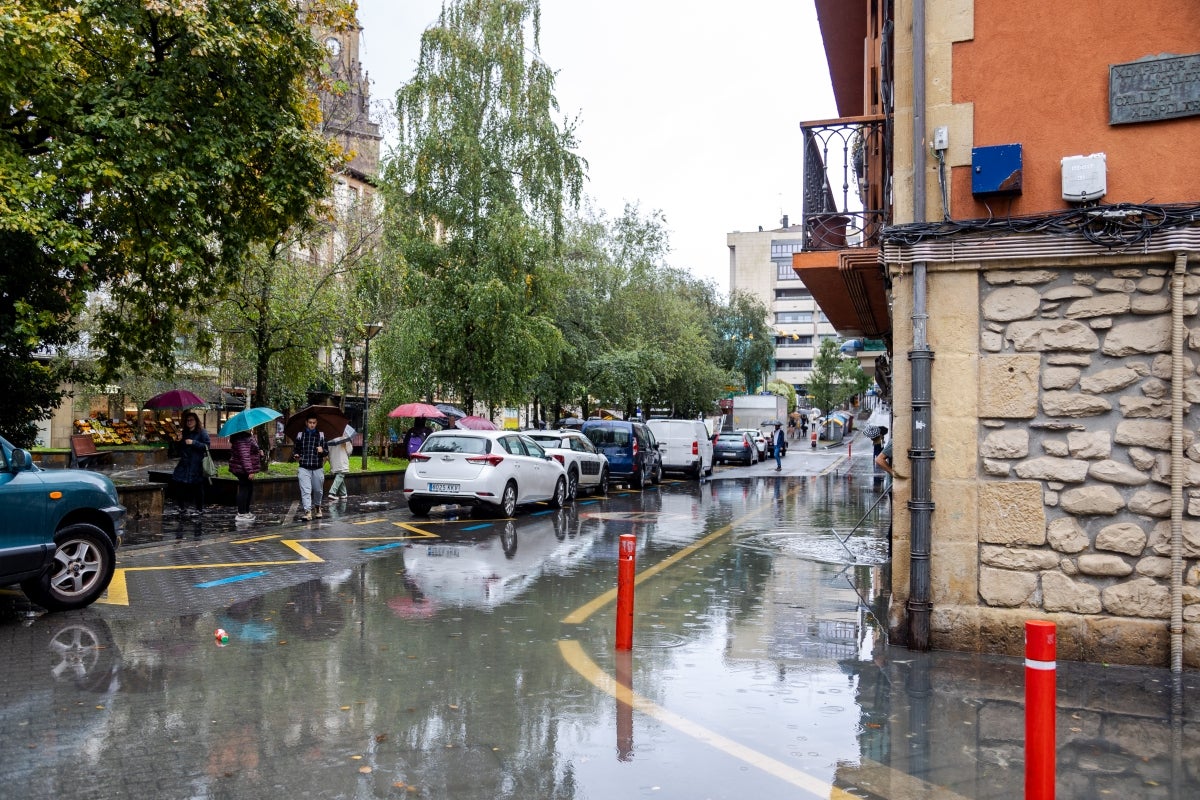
245	459
311	452
188	477
339	463
415	436
777	445
884	460
875	433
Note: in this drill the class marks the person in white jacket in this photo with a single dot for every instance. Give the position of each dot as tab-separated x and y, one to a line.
339	463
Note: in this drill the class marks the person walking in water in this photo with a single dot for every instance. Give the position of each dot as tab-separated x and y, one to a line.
777	445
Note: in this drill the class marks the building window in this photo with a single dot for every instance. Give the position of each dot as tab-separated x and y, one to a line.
793	364
800	293
784	271
781	256
792	317
793	340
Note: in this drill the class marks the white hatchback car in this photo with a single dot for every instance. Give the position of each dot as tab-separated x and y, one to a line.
587	467
492	469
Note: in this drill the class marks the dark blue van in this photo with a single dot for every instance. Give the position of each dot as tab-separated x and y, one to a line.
632	450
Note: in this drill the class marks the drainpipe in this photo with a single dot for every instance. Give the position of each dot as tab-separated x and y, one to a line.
1177	359
920	504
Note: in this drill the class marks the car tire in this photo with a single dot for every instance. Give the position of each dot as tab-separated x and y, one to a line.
419	508
559	498
656	474
602	486
638	480
508	500
83	566
572	484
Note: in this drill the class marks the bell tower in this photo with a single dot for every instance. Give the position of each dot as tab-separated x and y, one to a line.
345	101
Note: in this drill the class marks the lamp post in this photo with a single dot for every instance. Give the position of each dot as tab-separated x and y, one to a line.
369	331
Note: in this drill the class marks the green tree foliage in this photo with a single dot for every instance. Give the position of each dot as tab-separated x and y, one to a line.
744	342
784	389
476	193
835	377
145	147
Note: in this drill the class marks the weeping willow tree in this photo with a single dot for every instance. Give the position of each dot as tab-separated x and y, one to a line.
477	189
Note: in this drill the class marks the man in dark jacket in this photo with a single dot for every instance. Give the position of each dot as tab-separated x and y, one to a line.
310	451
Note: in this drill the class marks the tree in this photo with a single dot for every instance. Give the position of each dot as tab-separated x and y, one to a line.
744	342
784	389
145	147
835	378
476	191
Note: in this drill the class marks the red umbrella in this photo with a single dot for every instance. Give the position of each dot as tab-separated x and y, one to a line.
416	410
476	424
176	398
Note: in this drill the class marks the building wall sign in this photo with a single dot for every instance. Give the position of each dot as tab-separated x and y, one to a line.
1154	88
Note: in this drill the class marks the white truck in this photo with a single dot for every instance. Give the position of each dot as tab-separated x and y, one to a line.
759	411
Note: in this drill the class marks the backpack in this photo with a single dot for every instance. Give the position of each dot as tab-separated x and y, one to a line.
414	443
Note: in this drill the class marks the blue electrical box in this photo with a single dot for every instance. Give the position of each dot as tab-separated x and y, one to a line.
996	169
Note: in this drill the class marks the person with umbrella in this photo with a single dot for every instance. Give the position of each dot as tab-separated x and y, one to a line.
415	435
188	475
339	463
311	451
245	459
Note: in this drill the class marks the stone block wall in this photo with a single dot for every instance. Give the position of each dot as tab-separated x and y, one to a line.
1074	445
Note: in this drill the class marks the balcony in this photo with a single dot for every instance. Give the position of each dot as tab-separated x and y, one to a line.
847	181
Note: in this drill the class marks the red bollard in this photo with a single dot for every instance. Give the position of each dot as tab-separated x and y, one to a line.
626	564
1040	678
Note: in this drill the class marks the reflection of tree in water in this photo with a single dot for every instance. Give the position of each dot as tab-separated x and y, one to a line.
314	612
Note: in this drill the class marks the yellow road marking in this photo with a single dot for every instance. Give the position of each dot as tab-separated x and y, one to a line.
304	552
573	654
369	521
257	539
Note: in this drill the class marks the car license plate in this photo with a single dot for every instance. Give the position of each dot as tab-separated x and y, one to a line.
443	487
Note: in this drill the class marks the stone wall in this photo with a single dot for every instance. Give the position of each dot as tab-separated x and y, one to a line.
1074	448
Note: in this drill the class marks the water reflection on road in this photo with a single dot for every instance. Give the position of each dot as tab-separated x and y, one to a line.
462	666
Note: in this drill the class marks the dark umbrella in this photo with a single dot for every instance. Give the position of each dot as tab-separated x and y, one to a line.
416	410
176	398
476	424
451	411
330	421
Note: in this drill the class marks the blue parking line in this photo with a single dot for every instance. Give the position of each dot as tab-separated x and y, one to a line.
477	527
233	579
587	502
379	547
540	513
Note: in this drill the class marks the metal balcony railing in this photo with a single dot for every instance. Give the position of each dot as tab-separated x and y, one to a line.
847	181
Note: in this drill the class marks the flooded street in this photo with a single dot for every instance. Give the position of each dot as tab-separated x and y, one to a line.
382	656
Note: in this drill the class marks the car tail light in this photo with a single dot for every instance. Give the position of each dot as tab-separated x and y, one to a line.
635	448
418	457
559	458
490	460
695	448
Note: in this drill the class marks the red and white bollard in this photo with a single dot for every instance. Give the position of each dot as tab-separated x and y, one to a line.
626	568
1040	680
814	437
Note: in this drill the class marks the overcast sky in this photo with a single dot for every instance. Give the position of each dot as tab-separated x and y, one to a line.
693	109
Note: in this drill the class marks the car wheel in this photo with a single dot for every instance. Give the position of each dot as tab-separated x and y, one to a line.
602	486
639	477
572	485
559	498
419	508
82	567
656	474
508	501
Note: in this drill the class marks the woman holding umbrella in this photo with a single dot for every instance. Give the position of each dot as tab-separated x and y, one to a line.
245	459
188	476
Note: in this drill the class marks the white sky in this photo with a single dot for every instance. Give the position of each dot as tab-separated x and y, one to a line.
692	109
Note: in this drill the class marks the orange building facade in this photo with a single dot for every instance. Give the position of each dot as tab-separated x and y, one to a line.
1021	226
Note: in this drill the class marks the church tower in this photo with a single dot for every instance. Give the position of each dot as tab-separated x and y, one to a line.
345	103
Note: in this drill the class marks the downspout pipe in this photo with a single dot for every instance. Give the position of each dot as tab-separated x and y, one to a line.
1177	462
920	504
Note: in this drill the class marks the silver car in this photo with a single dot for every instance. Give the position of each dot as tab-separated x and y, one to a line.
499	470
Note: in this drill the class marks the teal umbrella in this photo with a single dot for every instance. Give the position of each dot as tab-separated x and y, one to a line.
245	420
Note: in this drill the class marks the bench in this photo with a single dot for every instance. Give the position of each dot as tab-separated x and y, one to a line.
219	447
84	452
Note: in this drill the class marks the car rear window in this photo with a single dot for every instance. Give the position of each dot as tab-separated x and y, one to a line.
609	437
549	441
475	445
732	437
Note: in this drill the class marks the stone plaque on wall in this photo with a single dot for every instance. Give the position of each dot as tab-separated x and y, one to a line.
1153	88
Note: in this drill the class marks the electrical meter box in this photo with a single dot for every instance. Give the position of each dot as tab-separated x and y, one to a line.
996	170
1084	178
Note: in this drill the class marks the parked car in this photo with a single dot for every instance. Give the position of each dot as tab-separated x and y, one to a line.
735	446
59	531
587	467
683	445
497	470
760	441
631	449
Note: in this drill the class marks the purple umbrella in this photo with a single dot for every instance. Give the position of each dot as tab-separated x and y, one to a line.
176	398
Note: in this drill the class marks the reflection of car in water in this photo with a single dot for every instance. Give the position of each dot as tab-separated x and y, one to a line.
488	573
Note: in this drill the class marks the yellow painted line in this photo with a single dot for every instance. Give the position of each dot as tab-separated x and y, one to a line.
304	552
573	654
414	529
369	521
117	593
257	539
581	614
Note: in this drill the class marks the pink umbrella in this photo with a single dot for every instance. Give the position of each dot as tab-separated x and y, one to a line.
476	424
416	410
176	398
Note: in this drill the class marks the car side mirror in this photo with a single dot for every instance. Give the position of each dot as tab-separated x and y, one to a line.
21	461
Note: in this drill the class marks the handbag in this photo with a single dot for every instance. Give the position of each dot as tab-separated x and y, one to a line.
207	466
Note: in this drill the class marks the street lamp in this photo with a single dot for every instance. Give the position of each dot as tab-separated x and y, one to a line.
369	330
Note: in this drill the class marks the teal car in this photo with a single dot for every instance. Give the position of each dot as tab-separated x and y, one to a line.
59	531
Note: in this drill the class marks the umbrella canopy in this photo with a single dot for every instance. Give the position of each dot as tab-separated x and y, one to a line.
176	398
416	410
570	421
248	419
330	421
476	424
451	411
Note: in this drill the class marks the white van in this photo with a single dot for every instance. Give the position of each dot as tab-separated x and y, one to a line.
684	444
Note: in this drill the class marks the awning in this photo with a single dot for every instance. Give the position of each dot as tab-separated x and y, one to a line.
849	287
